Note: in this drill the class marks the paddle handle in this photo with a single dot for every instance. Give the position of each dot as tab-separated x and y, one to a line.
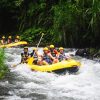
40	40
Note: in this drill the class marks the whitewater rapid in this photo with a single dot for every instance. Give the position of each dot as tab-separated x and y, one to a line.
23	84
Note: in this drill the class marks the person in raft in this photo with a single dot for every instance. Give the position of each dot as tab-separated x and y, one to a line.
9	39
35	55
3	40
54	53
17	39
24	55
62	55
47	58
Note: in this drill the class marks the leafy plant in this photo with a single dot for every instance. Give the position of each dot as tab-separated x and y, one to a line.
3	67
71	23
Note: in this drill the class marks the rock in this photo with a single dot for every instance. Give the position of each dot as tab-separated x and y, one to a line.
90	53
83	52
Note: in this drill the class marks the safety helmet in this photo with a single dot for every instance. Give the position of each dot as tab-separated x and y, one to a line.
9	37
45	49
17	37
34	49
61	48
52	46
3	37
25	47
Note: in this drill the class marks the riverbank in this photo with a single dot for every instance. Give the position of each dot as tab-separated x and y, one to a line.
3	67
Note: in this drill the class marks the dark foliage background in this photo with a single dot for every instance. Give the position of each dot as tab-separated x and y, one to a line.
71	23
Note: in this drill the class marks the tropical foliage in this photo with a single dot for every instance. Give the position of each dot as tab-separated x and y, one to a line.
71	23
3	68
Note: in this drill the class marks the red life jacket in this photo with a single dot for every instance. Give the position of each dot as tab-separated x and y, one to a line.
9	41
54	52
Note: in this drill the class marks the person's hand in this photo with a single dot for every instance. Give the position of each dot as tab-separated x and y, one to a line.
55	60
67	57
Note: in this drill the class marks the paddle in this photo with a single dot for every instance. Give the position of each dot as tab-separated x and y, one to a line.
16	65
32	59
40	40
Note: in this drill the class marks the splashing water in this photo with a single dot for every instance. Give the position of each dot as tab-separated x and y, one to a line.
23	84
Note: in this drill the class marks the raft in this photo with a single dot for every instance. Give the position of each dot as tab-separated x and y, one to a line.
13	44
70	66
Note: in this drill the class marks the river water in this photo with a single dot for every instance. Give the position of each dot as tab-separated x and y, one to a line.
23	84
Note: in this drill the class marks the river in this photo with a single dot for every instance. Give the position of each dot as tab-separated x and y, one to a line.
23	84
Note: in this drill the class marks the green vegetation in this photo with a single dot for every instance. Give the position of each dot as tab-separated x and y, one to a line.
3	68
71	23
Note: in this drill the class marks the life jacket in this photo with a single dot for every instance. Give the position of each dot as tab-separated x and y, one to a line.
47	59
61	56
9	41
53	53
24	56
34	55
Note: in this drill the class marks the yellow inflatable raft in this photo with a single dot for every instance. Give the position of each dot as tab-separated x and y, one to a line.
13	44
69	65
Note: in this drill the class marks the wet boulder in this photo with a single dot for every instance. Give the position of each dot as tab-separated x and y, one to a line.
90	53
83	53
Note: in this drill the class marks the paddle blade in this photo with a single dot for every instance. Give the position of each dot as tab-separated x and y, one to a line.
14	65
30	60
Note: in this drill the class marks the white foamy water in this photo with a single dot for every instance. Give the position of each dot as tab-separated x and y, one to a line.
24	84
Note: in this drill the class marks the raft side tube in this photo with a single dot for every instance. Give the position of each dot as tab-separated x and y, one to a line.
60	65
13	44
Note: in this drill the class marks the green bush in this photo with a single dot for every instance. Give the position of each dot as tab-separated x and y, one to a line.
3	67
31	35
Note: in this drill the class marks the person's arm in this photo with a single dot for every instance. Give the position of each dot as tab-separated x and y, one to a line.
31	55
2	42
55	51
57	55
51	56
21	57
7	41
36	52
